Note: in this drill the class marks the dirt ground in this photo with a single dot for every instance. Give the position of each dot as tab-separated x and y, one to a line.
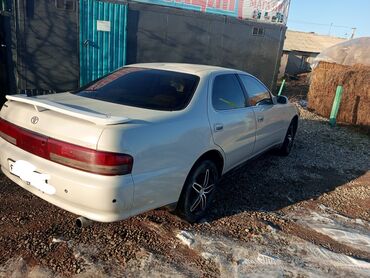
307	214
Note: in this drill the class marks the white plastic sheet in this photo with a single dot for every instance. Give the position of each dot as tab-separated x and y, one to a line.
351	52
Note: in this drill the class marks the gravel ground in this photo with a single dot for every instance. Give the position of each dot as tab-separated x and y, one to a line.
307	214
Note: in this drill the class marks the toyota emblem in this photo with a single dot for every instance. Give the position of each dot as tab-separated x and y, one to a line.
34	120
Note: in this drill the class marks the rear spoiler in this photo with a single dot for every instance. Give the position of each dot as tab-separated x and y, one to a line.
43	105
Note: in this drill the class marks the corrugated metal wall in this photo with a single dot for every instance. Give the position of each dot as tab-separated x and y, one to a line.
102	38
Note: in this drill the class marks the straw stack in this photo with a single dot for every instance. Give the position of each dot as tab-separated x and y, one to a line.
355	105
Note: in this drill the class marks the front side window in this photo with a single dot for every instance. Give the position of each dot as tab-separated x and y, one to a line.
145	88
227	93
257	92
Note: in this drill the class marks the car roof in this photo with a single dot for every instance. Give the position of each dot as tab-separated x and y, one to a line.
182	67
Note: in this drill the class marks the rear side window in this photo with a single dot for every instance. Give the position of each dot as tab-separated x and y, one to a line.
227	93
257	92
144	88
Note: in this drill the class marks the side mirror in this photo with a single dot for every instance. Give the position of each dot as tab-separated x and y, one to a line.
282	99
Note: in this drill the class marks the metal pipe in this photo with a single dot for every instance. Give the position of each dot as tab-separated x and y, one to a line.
335	107
281	87
125	35
82	222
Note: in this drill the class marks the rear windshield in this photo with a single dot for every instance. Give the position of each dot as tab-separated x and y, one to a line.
144	88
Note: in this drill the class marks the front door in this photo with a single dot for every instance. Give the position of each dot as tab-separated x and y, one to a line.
102	38
270	121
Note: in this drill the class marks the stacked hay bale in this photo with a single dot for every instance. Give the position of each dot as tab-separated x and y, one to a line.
355	104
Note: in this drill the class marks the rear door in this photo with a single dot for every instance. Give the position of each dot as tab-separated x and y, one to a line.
270	120
102	38
233	124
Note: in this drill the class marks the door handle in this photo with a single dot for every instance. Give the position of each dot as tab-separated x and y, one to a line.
218	127
260	119
87	43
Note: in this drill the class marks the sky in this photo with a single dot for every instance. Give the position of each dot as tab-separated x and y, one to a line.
334	17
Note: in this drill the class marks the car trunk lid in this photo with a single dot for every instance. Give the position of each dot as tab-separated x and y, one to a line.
62	133
75	124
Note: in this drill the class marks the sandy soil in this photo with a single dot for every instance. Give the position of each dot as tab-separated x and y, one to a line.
307	214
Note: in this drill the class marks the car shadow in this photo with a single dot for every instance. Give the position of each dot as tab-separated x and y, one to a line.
316	165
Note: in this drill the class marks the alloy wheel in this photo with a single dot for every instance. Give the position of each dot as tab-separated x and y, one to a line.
202	190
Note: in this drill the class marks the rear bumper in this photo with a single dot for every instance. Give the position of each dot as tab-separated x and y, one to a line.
99	198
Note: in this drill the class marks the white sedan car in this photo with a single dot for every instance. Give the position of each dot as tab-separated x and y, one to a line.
145	136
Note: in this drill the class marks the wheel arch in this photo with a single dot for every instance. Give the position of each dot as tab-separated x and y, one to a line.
295	121
213	155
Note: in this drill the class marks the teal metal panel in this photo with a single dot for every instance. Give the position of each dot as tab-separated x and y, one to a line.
102	38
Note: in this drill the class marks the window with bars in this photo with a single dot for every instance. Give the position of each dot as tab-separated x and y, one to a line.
258	31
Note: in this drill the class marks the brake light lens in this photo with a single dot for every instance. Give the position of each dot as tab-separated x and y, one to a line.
103	163
78	157
8	132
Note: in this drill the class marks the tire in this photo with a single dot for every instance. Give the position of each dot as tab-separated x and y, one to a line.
198	191
288	143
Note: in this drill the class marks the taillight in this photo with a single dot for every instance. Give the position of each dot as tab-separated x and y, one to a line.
8	132
98	162
103	163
